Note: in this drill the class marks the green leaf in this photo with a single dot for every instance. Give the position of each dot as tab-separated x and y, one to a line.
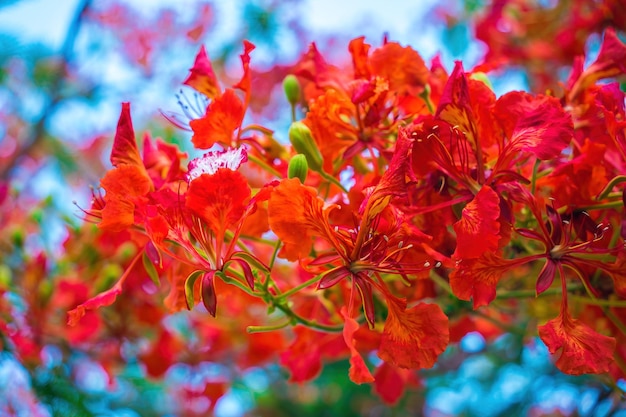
150	269
189	283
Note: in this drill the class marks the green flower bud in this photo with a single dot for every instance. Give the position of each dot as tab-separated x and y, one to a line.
292	89
5	276
302	141
481	76
298	168
45	290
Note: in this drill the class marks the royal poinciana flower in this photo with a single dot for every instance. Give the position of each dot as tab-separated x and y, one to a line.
473	147
412	338
572	243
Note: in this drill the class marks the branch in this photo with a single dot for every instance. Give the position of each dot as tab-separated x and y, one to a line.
54	98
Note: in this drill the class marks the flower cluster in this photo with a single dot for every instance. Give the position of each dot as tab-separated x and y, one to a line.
402	193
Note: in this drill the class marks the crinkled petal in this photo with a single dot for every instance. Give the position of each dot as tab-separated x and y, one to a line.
359	373
222	118
296	214
583	351
414	338
125	186
219	199
476	279
478	230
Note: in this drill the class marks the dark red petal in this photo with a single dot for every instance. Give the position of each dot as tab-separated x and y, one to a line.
247	272
332	277
546	276
367	298
209	298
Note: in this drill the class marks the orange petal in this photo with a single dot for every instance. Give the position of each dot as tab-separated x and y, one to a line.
303	356
244	83
477	278
391	381
414	338
359	50
222	117
358	370
219	199
125	186
296	214
328	118
402	66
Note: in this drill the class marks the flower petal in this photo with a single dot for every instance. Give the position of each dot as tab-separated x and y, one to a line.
125	186
125	149
391	381
546	276
303	357
358	370
359	50
296	214
402	66
201	77
222	117
477	278
219	199
538	125
478	230
583	351
414	338
244	83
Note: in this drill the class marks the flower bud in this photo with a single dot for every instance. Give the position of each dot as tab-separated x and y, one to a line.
481	76
302	141
298	168
292	89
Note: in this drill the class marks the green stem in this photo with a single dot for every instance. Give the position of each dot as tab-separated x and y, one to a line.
308	323
264	165
532	293
271	265
442	283
264	329
613	204
533	180
239	284
599	302
299	287
332	180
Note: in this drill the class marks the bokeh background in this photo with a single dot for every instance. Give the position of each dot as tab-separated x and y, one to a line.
65	67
